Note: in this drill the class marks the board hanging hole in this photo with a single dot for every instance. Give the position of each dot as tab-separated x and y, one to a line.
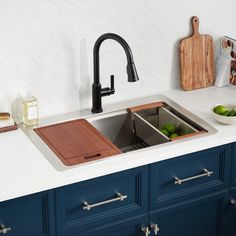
92	156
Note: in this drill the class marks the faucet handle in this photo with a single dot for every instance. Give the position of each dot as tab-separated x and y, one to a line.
112	84
108	91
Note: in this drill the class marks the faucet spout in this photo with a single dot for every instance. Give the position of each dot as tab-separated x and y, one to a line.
97	90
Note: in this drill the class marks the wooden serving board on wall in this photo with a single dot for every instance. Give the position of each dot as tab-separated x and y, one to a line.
196	59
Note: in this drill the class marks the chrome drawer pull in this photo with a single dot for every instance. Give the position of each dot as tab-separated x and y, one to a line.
4	229
206	173
233	202
146	231
155	228
119	197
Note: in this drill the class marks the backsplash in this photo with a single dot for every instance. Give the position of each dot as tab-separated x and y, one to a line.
46	47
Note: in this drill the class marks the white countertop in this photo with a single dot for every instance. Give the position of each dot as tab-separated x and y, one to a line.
24	170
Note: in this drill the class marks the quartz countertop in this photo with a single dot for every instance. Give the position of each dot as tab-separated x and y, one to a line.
25	170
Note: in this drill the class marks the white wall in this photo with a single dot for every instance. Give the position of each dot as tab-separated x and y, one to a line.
46	46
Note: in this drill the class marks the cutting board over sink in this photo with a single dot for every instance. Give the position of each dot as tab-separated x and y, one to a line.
76	142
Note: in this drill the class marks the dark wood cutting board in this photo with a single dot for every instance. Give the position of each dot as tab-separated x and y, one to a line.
76	142
196	59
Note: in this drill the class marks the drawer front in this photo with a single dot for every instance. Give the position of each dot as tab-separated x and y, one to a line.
27	216
101	200
199	217
185	177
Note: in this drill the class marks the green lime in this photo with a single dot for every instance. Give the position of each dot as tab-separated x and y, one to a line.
220	109
232	113
184	132
174	135
226	113
170	128
165	132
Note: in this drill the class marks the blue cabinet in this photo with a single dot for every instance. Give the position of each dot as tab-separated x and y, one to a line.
27	216
100	201
202	216
233	166
230	214
130	227
230	209
231	201
190	176
193	195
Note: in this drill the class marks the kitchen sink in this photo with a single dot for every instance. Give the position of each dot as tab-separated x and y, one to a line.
131	128
119	129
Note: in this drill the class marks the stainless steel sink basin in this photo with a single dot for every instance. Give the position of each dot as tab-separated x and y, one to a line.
121	131
129	131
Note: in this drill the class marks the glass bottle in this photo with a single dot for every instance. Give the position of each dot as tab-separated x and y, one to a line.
30	111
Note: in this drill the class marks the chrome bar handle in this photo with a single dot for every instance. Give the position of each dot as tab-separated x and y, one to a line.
155	228
146	231
233	202
119	197
206	173
4	229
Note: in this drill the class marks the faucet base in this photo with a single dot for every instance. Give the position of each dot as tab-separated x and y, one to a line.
96	110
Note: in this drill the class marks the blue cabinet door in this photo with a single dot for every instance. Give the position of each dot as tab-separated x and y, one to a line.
233	166
230	214
199	217
130	227
28	216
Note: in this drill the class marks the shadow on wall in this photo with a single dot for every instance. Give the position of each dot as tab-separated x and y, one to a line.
175	72
217	43
85	86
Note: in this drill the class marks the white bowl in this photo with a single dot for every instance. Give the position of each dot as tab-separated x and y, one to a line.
228	120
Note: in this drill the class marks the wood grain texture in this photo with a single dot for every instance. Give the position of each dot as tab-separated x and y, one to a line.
145	106
188	135
196	59
76	142
9	128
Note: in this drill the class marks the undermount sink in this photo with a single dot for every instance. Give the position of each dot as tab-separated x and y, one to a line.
129	129
120	131
134	129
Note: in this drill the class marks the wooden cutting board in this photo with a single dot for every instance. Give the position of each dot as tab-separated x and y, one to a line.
196	59
76	142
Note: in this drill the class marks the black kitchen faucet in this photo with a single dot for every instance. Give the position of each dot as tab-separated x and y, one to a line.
97	91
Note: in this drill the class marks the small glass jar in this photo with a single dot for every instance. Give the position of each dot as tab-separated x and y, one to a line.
30	111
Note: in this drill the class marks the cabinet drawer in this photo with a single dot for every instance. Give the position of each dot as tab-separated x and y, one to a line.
101	200
28	216
184	177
